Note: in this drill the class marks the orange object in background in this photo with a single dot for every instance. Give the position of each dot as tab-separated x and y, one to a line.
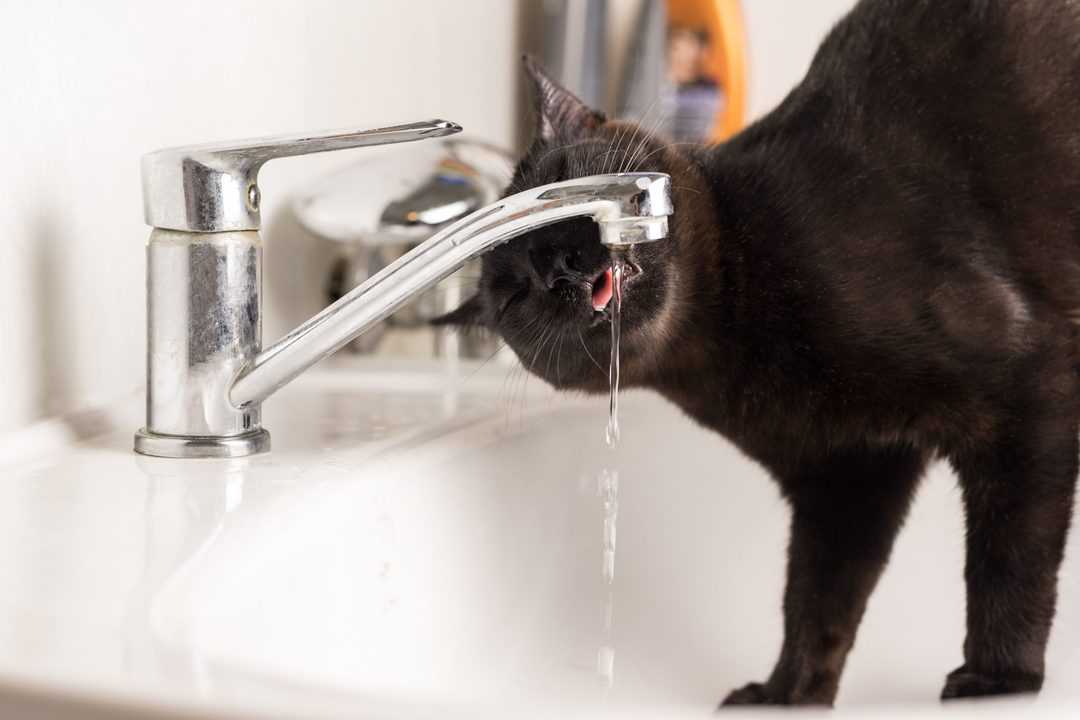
726	63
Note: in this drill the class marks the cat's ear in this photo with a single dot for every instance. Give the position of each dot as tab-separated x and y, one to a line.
469	314
559	113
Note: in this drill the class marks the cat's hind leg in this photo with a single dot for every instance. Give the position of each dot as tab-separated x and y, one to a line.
1018	497
846	511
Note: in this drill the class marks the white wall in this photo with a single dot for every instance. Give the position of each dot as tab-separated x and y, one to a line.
88	87
783	36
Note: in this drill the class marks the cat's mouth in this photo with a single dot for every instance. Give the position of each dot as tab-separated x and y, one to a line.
603	289
603	285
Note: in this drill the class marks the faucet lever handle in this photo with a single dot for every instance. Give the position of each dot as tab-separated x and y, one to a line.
259	150
214	187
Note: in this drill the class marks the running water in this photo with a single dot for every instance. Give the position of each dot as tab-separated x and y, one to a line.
608	480
608	489
618	267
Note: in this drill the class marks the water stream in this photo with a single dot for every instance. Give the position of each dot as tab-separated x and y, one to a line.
608	480
618	267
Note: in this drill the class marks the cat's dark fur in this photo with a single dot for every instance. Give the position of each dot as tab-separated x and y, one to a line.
883	270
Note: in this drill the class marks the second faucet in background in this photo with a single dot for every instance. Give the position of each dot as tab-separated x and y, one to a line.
376	210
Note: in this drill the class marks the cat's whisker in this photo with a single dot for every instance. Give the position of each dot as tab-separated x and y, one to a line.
586	349
655	105
548	331
521	376
498	349
634	162
554	350
663	147
657	110
629	144
607	153
623	132
558	148
558	359
465	286
640	125
532	330
503	395
630	153
551	350
555	344
610	150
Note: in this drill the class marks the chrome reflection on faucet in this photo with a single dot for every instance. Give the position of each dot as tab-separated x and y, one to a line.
206	372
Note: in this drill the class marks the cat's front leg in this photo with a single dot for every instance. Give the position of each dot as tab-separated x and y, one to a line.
846	511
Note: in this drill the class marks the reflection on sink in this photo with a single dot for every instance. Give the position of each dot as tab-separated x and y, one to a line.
467	568
463	568
421	543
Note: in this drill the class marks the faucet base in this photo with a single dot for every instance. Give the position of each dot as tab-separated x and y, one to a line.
180	446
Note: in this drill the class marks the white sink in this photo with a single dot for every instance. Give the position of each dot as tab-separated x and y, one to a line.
417	544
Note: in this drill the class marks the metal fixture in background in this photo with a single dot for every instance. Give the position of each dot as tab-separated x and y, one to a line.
207	373
380	207
573	46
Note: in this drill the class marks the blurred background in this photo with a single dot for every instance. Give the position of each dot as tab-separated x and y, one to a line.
90	87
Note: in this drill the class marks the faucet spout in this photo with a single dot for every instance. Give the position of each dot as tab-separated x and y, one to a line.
630	208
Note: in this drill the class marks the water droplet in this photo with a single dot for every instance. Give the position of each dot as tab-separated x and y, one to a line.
605	664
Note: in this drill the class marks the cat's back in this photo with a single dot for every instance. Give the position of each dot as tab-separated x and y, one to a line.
982	93
986	77
981	99
924	129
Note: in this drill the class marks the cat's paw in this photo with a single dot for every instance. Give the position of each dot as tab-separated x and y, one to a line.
752	694
963	683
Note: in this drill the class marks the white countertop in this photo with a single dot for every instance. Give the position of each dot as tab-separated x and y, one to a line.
419	543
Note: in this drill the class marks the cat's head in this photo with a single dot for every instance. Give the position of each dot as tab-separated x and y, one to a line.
548	293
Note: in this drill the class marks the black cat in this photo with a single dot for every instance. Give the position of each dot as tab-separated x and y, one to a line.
883	270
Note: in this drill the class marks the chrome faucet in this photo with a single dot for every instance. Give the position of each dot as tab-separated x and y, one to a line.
207	373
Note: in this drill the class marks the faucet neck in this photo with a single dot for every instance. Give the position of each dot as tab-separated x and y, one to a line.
630	208
207	372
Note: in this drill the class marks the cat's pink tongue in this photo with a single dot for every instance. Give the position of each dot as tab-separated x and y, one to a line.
602	291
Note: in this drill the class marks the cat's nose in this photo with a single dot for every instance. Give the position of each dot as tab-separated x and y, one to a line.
554	264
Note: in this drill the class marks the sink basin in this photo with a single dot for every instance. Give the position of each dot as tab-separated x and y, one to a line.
427	540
